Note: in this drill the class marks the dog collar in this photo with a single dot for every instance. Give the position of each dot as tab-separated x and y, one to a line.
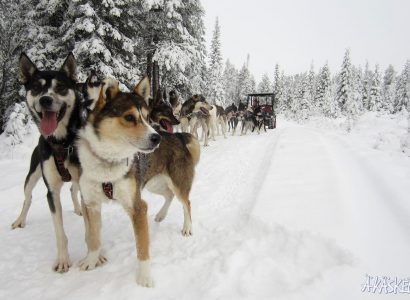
124	160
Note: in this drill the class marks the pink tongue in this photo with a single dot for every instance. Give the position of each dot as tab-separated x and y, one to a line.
48	123
167	125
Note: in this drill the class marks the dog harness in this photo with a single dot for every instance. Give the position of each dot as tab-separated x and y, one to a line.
60	155
108	189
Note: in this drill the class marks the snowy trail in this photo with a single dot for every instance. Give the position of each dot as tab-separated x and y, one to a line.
290	214
342	195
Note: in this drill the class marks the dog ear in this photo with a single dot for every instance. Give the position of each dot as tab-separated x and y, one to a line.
164	95
112	87
99	105
27	68
109	89
143	89
69	67
79	86
92	78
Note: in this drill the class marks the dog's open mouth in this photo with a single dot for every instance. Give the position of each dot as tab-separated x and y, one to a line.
205	111
49	120
165	124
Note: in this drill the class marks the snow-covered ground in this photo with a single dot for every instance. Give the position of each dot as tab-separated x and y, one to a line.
300	212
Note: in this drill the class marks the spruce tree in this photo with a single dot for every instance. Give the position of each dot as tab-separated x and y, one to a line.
230	83
402	96
388	87
367	79
277	86
13	36
357	88
265	86
344	91
311	83
375	94
323	99
246	83
181	52
216	93
282	91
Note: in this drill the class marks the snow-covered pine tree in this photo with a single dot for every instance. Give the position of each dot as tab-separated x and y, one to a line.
277	86
286	104
375	93
265	86
300	105
305	98
347	102
357	87
216	93
324	101
344	91
402	95
181	52
45	44
295	93
311	84
246	83
16	126
230	82
388	88
13	38
103	36
367	81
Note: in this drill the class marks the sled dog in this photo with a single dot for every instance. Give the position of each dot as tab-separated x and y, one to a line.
171	167
195	113
116	132
56	109
90	91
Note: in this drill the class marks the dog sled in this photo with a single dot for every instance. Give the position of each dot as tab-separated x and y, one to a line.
266	102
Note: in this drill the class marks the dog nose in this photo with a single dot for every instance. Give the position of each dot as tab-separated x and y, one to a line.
46	101
155	138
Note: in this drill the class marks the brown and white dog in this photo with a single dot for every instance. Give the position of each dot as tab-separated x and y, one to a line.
171	167
117	130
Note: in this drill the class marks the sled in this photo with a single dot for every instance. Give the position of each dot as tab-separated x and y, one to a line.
266	101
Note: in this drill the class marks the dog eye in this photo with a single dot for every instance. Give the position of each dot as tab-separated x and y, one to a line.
36	87
130	118
61	89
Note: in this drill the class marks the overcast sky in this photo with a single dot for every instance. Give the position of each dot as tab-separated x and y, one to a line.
295	32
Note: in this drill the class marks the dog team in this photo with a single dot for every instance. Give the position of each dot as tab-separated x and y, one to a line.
111	145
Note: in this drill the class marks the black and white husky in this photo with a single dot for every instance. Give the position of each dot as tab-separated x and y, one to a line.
90	91
56	109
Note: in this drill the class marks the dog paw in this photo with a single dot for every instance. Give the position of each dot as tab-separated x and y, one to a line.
92	261
159	217
18	224
186	231
144	275
78	212
62	265
145	281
